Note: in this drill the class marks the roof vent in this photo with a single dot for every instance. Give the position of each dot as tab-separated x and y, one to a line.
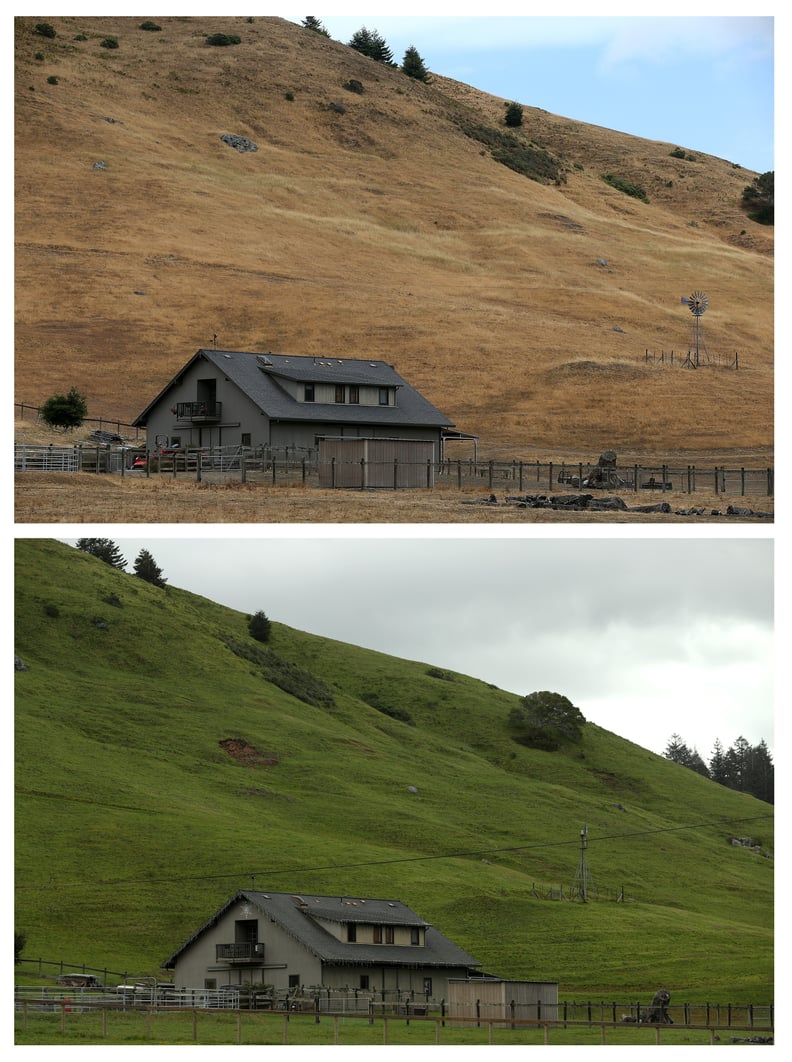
262	359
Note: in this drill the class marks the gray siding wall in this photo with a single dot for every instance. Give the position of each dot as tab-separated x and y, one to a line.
240	415
283	957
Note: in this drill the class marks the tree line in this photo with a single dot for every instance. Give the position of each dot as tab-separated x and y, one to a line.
744	767
146	568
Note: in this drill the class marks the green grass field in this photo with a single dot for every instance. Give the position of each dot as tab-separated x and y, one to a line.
134	823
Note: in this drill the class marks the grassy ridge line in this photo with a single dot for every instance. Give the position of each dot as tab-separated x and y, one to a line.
133	823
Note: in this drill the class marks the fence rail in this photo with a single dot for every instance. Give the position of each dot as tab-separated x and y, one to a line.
78	1020
409	1005
293	467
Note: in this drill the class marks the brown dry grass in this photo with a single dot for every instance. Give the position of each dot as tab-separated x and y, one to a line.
379	232
43	497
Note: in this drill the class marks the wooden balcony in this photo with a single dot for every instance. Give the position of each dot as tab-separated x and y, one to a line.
199	412
245	952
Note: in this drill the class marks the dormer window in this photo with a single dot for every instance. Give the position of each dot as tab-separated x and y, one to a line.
339	393
309	393
354	394
384	396
351	932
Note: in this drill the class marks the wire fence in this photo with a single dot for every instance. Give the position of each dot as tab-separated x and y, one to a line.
83	1019
293	467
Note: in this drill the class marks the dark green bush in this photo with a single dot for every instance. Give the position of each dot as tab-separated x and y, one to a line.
621	185
44	29
109	42
354	86
518	154
514	115
288	677
52	80
222	40
152	27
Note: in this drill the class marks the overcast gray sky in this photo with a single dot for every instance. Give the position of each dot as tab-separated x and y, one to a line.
647	636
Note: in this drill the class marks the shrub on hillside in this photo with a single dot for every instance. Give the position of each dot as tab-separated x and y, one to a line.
621	185
514	115
759	198
353	85
222	40
44	29
545	720
152	27
109	42
287	677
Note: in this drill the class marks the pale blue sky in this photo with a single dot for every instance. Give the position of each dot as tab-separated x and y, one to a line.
703	83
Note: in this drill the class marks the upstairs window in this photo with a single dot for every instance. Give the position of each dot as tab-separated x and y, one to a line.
309	393
377	934
384	396
339	392
415	935
354	394
351	932
388	934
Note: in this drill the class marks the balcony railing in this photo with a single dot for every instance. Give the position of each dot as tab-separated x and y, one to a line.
199	411
245	952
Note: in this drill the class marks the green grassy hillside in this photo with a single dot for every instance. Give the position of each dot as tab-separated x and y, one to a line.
158	768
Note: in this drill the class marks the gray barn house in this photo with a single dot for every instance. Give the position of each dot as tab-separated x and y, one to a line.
232	398
306	942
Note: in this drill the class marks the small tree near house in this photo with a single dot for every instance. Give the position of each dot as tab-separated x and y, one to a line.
64	412
259	627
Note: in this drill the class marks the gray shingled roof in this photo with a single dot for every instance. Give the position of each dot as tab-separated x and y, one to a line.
296	915
258	376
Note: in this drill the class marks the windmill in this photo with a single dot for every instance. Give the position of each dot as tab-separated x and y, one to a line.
697	304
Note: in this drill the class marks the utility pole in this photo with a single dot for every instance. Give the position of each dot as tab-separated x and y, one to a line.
583	881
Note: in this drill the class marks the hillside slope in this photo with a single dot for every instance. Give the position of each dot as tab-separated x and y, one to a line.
159	767
373	224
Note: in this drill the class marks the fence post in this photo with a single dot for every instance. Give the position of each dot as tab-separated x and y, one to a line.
459	475
198	468
428	474
521	476
549	475
395	472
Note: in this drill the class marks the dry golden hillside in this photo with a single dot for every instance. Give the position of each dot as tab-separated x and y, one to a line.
371	225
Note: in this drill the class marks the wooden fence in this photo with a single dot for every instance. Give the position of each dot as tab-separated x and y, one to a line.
80	1019
293	468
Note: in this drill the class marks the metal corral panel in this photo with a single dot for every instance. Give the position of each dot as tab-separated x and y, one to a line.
393	463
498	1000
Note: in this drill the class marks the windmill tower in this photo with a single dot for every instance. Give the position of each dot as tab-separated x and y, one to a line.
697	304
583	887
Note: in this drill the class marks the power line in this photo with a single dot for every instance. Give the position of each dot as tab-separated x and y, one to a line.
269	873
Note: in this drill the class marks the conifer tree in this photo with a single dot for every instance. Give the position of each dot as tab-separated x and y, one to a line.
147	569
414	66
311	22
259	627
372	44
103	548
